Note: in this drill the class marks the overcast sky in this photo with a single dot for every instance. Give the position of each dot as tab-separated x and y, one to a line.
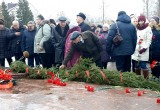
93	8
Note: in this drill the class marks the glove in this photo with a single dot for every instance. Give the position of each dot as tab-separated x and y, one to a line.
62	67
39	48
142	50
26	54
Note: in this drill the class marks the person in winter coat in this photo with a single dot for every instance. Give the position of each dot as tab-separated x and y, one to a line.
43	34
28	44
102	35
87	43
141	54
134	21
4	52
80	20
68	43
155	47
16	40
93	27
59	39
104	32
122	53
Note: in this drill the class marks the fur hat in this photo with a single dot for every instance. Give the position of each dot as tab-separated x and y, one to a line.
74	35
142	18
40	17
82	15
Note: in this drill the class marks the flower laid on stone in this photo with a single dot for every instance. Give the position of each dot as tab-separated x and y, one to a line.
5	79
86	71
128	90
55	80
89	88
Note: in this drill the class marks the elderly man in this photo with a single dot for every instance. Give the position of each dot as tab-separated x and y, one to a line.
80	20
60	33
86	42
16	39
28	44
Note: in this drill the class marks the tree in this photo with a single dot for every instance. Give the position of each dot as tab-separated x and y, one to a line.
149	8
7	17
158	8
24	14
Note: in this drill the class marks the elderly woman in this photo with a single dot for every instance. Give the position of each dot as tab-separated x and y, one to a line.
68	43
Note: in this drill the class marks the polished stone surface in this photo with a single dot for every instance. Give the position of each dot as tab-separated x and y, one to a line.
39	95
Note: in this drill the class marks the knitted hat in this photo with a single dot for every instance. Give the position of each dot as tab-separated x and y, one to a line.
142	18
156	19
82	15
74	35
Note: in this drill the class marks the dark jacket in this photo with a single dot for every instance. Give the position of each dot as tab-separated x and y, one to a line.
91	46
15	44
84	27
28	41
104	55
128	33
58	29
58	42
4	42
155	45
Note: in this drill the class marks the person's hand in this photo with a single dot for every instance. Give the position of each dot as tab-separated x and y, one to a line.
17	33
39	48
142	50
62	67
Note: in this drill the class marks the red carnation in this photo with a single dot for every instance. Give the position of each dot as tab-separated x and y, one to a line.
154	62
152	66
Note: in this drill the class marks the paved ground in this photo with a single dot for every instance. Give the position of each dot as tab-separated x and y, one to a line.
39	95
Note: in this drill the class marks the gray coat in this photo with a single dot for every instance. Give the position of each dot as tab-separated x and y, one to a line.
41	37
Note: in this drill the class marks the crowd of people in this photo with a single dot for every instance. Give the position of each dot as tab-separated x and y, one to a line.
61	44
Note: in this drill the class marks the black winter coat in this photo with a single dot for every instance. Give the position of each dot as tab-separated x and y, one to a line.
129	34
84	27
16	41
155	45
4	42
58	29
91	46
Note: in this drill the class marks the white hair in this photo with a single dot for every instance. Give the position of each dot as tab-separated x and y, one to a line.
15	22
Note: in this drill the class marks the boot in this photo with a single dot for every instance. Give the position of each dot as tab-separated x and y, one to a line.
138	71
146	73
